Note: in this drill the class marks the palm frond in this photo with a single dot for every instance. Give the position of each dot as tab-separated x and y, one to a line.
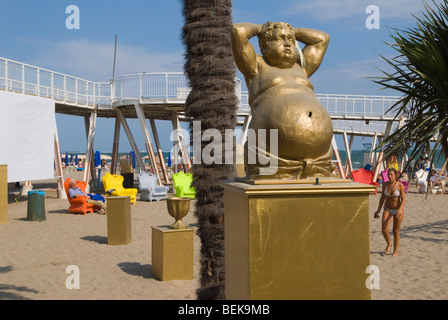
420	74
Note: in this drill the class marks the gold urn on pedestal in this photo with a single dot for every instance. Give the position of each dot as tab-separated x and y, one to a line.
178	208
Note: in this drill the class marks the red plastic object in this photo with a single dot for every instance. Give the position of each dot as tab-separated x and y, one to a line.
365	176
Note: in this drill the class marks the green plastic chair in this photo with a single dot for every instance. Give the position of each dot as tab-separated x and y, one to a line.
182	184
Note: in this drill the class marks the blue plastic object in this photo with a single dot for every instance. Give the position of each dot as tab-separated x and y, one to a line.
36	191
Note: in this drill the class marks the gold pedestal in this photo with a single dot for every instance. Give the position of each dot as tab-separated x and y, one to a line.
296	241
172	253
118	220
3	194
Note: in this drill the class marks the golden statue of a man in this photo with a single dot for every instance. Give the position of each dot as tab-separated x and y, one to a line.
282	97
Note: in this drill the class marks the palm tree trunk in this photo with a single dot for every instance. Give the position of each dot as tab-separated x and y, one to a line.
210	69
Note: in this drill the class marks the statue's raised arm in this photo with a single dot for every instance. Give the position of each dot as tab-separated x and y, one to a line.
243	51
316	45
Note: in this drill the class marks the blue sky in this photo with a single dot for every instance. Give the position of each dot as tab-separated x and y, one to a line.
149	40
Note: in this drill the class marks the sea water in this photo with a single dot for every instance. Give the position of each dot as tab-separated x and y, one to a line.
357	157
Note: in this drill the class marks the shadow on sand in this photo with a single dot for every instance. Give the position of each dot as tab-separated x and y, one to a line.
97	239
11	292
136	269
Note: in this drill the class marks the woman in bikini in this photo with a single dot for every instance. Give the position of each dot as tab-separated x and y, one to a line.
393	198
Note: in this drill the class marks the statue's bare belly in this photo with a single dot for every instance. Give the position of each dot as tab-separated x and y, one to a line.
304	126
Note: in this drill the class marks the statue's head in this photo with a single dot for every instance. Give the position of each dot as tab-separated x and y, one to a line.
277	44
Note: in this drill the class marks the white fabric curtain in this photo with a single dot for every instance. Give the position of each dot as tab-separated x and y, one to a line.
27	136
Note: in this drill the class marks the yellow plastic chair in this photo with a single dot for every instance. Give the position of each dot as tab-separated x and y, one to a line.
113	185
182	184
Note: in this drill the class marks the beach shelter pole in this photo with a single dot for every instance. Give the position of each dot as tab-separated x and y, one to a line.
352	139
372	148
147	140
380	156
338	158
159	150
92	172
184	150
378	166
348	151
90	123
175	157
245	127
404	159
405	156
113	167
58	162
131	140
441	171
175	143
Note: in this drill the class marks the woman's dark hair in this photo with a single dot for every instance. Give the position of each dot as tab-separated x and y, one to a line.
395	172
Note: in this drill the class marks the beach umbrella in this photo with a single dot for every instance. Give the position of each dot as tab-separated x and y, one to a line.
71	159
76	159
97	158
169	159
66	159
132	154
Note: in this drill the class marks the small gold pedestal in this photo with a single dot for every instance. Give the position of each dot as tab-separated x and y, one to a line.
3	194
172	253
296	241
119	230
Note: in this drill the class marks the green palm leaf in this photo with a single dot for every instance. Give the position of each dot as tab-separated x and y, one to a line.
420	74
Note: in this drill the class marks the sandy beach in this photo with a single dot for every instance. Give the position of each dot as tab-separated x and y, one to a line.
34	255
